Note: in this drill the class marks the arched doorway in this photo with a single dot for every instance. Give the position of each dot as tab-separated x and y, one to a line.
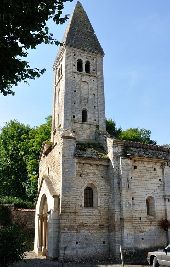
43	226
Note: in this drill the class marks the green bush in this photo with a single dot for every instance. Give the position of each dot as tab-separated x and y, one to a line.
12	244
18	202
5	216
12	238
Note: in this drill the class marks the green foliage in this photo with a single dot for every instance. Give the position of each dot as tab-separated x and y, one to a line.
12	239
17	202
24	26
20	147
12	244
112	129
137	135
37	136
5	216
13	151
131	134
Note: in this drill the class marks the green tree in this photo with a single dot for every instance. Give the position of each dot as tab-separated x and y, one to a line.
23	26
12	239
37	136
112	129
13	149
137	135
131	134
20	147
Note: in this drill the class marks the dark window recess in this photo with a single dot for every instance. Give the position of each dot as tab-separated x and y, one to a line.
73	116
140	218
135	167
154	169
59	202
88	197
59	73
150	206
79	65
77	242
84	115
104	242
132	198
160	180
87	67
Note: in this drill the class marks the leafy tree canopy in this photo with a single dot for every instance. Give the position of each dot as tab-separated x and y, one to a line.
23	26
112	129
137	135
20	147
131	134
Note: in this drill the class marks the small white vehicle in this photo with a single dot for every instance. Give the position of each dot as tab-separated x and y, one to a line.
160	257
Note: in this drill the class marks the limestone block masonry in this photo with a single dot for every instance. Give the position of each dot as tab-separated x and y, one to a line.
95	193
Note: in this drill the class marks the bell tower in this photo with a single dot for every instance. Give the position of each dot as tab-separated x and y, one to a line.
79	104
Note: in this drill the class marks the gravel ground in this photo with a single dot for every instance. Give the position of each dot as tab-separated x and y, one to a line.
32	260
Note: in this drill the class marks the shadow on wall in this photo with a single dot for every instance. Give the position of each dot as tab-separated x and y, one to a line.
48	263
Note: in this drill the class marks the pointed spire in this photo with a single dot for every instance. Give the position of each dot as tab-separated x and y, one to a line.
80	33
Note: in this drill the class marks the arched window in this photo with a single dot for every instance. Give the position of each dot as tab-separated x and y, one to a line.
79	65
84	115
150	206
87	67
88	197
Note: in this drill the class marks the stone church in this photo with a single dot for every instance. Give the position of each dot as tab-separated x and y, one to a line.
95	193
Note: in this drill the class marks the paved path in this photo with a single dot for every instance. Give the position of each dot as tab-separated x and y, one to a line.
31	260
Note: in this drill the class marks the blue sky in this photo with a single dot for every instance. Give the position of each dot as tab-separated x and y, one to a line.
135	36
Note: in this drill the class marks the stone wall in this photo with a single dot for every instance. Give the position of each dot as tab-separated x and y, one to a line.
85	231
25	217
144	173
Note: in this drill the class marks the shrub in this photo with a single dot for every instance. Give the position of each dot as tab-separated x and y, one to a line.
12	244
5	216
12	239
18	202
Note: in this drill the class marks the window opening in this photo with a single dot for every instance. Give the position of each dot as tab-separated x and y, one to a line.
58	73
88	197
84	115
61	69
79	65
150	206
87	67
